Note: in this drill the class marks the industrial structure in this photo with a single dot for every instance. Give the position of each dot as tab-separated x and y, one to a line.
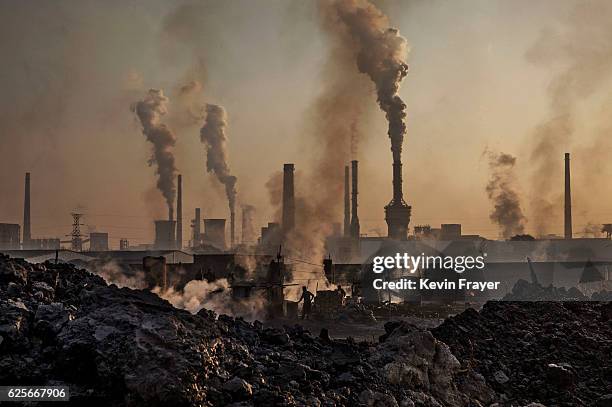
568	199
27	226
214	233
9	236
348	250
98	241
355	228
347	203
288	199
179	213
397	212
165	238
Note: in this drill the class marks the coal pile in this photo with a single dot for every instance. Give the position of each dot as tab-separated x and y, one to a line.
533	291
554	353
121	347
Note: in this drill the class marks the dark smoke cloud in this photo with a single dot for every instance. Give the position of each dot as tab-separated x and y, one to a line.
150	111
339	114
213	135
582	48
381	54
501	190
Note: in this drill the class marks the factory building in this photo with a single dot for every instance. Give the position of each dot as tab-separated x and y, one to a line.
165	235
214	233
98	241
9	236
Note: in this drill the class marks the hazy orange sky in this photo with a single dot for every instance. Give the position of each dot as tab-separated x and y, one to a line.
73	68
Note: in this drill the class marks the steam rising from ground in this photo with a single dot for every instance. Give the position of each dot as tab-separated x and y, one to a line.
584	51
213	135
113	273
150	111
501	190
215	296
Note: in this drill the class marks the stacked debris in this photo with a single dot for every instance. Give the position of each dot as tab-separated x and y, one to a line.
116	346
356	312
556	353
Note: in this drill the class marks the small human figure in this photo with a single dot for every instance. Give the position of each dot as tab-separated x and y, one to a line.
307	296
341	292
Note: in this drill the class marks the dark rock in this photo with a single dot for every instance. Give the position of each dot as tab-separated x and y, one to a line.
560	376
238	388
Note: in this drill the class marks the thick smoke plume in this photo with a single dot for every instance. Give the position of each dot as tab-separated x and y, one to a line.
581	53
506	211
381	53
356	32
150	111
213	135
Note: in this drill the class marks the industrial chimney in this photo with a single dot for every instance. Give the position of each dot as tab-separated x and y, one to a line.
568	199
347	203
179	213
288	199
354	216
196	228
397	212
27	232
232	227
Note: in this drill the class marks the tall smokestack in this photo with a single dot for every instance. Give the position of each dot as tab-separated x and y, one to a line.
347	203
27	233
568	199
179	213
196	227
288	199
232	227
354	216
397	212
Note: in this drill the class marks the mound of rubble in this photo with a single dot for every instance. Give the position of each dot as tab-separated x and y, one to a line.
524	290
121	347
555	353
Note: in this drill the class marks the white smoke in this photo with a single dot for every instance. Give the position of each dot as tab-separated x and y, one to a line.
215	296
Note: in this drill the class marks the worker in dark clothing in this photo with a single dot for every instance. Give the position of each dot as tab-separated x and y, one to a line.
341	292
307	296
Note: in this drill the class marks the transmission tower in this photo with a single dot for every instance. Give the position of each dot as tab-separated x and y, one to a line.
77	238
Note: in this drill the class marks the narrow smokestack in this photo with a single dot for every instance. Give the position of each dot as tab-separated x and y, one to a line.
347	203
568	199
354	216
196	227
288	199
179	213
27	233
232	227
397	212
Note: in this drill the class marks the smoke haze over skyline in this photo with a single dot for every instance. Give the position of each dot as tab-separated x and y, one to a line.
73	68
